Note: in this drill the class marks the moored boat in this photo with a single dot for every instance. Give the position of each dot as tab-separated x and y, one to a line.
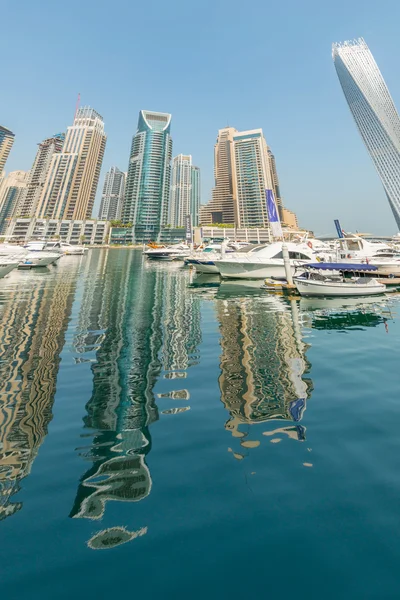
329	279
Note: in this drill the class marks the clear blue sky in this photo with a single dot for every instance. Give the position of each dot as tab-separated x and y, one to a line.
212	63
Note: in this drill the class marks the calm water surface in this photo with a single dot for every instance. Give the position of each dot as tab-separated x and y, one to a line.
163	436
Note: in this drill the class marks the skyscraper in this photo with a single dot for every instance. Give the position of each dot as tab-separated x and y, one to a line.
38	174
221	208
374	113
275	182
244	168
6	142
11	191
185	191
70	188
195	196
149	176
112	197
252	176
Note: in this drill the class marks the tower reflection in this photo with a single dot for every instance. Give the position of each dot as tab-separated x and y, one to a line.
144	323
263	364
32	333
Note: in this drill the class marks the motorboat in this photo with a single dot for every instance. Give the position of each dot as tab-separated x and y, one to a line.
353	248
10	258
175	252
338	279
37	256
65	248
266	260
204	260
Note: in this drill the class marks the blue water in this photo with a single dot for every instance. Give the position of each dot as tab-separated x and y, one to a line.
164	436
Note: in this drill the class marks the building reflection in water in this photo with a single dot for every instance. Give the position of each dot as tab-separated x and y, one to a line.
263	364
142	323
34	318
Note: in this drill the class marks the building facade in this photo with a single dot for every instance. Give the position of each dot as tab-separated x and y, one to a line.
252	176
112	197
244	167
87	231
6	142
12	190
374	112
38	174
221	208
71	184
185	191
195	198
148	182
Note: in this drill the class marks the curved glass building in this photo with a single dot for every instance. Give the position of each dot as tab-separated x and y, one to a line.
374	113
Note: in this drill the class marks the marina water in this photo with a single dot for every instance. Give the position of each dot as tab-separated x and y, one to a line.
163	435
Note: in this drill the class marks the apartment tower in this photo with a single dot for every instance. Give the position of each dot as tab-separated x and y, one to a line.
112	197
11	191
38	174
70	188
221	208
6	142
374	112
244	168
149	176
185	191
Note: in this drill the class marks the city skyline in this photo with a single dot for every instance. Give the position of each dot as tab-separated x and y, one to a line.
374	113
298	103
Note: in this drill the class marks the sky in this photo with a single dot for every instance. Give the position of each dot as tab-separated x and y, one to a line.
210	64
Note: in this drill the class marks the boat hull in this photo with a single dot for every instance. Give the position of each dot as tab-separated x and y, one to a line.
6	268
307	287
35	260
249	270
204	267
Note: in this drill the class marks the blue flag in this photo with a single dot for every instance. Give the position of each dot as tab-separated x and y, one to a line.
273	214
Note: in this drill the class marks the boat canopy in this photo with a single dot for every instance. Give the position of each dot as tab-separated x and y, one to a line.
328	266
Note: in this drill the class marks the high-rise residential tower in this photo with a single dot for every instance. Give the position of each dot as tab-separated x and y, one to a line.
195	196
38	174
275	182
11	191
252	176
185	191
244	168
147	192
71	185
6	142
221	208
374	113
112	197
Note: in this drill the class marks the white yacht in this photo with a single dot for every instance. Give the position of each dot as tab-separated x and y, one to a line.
204	260
353	248
265	261
175	252
37	256
65	248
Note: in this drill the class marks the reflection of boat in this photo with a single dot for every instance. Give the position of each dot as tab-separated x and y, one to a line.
328	279
239	287
204	281
320	303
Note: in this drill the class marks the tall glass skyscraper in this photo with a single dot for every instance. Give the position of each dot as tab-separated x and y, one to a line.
185	191
149	176
374	113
